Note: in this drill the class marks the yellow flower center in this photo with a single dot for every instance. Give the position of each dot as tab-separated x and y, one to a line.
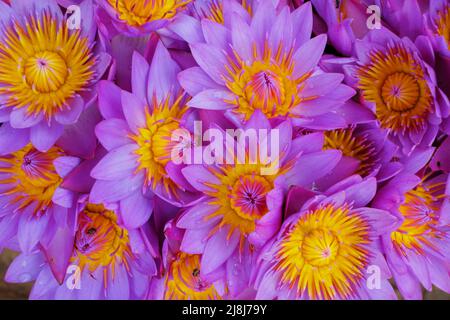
155	141
394	80
240	197
324	253
140	12
420	210
266	84
43	65
184	280
443	24
352	145
31	177
100	241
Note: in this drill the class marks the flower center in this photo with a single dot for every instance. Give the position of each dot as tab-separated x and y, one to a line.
46	71
320	247
352	145
43	65
266	84
443	24
140	12
248	197
240	197
420	210
324	253
184	280
400	92
99	241
394	80
155	140
29	178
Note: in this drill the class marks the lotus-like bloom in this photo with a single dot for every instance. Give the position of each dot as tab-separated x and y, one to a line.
28	180
38	189
266	62
137	17
137	133
48	72
417	251
400	88
328	249
183	278
243	205
105	260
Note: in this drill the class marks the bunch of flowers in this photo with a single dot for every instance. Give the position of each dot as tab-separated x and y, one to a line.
225	149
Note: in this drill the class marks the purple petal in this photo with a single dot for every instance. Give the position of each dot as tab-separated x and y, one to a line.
44	136
310	53
163	74
134	110
109	101
195	80
136	210
111	191
117	164
198	175
63	165
302	20
12	139
139	76
19	119
118	286
218	249
211	60
212	99
25	268
71	115
113	133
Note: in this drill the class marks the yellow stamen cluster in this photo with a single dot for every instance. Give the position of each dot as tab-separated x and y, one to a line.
395	81
352	145
31	177
43	64
420	210
324	254
443	24
266	84
139	12
184	281
213	10
155	140
100	241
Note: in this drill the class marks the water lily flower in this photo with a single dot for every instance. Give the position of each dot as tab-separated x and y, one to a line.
137	132
243	205
48	72
38	189
183	278
400	88
327	248
137	17
417	251
104	259
263	63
